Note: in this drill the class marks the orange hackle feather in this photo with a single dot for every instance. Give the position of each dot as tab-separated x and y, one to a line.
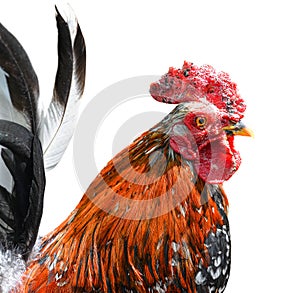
132	231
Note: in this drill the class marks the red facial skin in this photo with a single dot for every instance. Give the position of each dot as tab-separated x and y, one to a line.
208	147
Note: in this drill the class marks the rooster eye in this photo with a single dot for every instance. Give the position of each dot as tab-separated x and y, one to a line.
210	90
200	121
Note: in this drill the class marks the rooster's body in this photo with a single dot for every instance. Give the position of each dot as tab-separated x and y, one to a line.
155	218
162	231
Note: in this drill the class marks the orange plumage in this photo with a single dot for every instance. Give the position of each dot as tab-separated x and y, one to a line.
145	224
149	222
96	249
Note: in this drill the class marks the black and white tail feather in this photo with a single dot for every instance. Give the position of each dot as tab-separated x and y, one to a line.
57	125
32	140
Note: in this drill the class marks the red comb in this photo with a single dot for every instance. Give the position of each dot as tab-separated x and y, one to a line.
192	83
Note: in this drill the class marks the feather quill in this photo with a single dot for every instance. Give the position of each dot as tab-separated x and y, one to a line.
58	124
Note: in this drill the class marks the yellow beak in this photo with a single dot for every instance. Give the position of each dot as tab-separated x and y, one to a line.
239	129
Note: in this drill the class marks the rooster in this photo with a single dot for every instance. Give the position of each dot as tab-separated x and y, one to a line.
155	218
32	139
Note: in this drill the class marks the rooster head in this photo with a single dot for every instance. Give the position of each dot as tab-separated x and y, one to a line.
204	135
207	118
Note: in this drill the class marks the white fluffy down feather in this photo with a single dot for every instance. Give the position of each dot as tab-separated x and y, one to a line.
12	267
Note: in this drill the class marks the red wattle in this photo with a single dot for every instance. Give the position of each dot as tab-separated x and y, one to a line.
218	161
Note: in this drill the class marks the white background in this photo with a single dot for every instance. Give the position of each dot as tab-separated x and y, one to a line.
257	42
